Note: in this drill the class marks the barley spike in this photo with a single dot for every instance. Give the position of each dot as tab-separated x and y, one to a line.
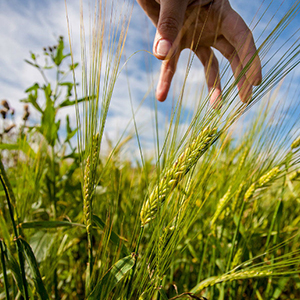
171	177
295	175
87	190
296	143
267	178
221	205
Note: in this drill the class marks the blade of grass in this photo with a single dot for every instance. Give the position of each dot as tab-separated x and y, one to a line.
48	224
10	200
37	279
113	236
3	257
112	277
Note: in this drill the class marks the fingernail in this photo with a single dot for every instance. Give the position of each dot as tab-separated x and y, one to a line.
163	47
216	99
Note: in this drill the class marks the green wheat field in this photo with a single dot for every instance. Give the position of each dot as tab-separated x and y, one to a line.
212	213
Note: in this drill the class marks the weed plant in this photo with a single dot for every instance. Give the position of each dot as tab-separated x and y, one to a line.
213	216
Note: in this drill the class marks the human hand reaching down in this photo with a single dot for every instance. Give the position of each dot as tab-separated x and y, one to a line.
200	25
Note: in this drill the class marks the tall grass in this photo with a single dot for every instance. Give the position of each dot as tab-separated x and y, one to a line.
214	215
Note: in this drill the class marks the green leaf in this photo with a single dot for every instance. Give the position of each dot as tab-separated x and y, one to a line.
4	228
47	128
113	236
73	102
29	62
9	146
32	97
13	265
39	285
70	87
282	282
33	56
59	53
22	146
49	224
70	132
163	294
68	127
59	56
73	67
34	87
3	251
112	277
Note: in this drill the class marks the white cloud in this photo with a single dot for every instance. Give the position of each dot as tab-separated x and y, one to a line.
30	25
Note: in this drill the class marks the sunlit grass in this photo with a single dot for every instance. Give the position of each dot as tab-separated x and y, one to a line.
214	212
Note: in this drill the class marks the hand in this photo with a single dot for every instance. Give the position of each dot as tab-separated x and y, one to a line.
200	25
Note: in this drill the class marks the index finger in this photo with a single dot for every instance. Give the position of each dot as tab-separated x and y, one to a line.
240	37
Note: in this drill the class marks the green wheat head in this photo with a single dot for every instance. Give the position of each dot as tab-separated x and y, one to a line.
171	177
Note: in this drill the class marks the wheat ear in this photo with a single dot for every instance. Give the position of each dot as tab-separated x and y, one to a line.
296	143
262	182
171	177
87	189
221	205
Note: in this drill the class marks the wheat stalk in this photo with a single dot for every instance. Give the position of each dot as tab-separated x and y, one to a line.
171	177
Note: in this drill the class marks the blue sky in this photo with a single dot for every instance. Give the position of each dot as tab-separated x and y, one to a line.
29	25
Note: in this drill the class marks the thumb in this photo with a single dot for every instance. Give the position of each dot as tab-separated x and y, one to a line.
171	18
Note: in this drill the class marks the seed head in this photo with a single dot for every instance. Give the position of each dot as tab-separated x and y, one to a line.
269	177
238	195
5	104
237	258
262	182
171	177
3	112
295	175
87	194
9	128
221	205
249	193
26	116
95	146
295	143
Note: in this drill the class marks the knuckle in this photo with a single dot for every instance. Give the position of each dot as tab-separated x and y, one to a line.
169	25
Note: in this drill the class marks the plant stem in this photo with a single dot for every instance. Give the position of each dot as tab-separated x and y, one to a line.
235	236
134	267
202	260
3	252
54	216
10	196
53	181
273	223
89	237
